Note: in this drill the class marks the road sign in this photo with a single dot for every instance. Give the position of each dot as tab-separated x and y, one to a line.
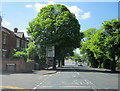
50	51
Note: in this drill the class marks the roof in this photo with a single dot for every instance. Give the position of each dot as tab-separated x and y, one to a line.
6	30
20	34
29	39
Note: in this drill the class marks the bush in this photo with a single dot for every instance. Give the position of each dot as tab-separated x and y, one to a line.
113	65
94	63
28	60
20	54
106	64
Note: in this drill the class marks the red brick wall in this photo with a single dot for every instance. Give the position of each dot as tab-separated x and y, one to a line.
21	65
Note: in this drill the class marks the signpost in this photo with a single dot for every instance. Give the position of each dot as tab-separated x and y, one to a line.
50	54
50	51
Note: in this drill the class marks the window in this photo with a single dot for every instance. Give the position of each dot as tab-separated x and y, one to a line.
18	43
4	38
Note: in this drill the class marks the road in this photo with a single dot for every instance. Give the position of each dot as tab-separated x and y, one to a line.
70	76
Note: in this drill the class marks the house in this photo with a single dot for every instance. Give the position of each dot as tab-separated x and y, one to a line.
12	40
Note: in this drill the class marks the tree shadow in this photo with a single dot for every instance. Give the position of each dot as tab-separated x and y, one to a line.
83	69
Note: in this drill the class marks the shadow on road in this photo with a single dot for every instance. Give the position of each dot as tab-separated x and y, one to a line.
84	69
63	69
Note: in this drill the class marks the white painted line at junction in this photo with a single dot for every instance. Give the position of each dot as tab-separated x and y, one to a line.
45	75
40	83
35	88
76	86
65	86
40	77
78	73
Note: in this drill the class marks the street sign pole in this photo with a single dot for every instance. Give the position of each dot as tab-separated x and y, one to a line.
50	53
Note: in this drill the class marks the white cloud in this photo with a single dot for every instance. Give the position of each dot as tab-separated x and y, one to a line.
6	23
38	6
74	9
50	2
28	6
86	15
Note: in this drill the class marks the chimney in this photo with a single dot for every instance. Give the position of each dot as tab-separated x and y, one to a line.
0	21
15	30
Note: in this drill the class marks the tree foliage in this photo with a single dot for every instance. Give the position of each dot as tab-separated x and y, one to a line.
102	45
55	25
31	50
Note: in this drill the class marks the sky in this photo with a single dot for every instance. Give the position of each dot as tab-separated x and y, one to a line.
89	14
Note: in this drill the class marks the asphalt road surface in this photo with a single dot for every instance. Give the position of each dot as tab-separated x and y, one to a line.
70	76
73	77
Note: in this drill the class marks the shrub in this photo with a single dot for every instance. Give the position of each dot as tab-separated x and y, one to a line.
28	60
94	63
106	63
20	54
113	65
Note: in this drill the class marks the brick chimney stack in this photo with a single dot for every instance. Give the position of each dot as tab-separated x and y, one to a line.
15	30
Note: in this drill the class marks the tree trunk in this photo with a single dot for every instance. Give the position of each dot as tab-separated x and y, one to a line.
59	63
113	65
54	63
63	62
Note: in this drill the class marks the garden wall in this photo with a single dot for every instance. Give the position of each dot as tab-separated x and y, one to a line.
17	65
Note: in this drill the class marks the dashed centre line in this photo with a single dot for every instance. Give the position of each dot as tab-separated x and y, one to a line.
44	80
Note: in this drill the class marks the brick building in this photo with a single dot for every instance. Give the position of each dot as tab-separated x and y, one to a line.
12	40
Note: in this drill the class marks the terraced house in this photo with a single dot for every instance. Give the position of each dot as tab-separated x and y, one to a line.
10	41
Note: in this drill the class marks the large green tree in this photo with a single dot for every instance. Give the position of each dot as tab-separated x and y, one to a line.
112	31
85	50
97	46
103	45
55	25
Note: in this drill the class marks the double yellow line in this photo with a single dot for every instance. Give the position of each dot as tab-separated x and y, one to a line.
15	88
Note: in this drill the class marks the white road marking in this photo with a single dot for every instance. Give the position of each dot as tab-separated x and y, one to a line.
40	83
75	86
74	76
40	77
64	86
45	86
35	88
81	83
78	73
50	75
45	75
